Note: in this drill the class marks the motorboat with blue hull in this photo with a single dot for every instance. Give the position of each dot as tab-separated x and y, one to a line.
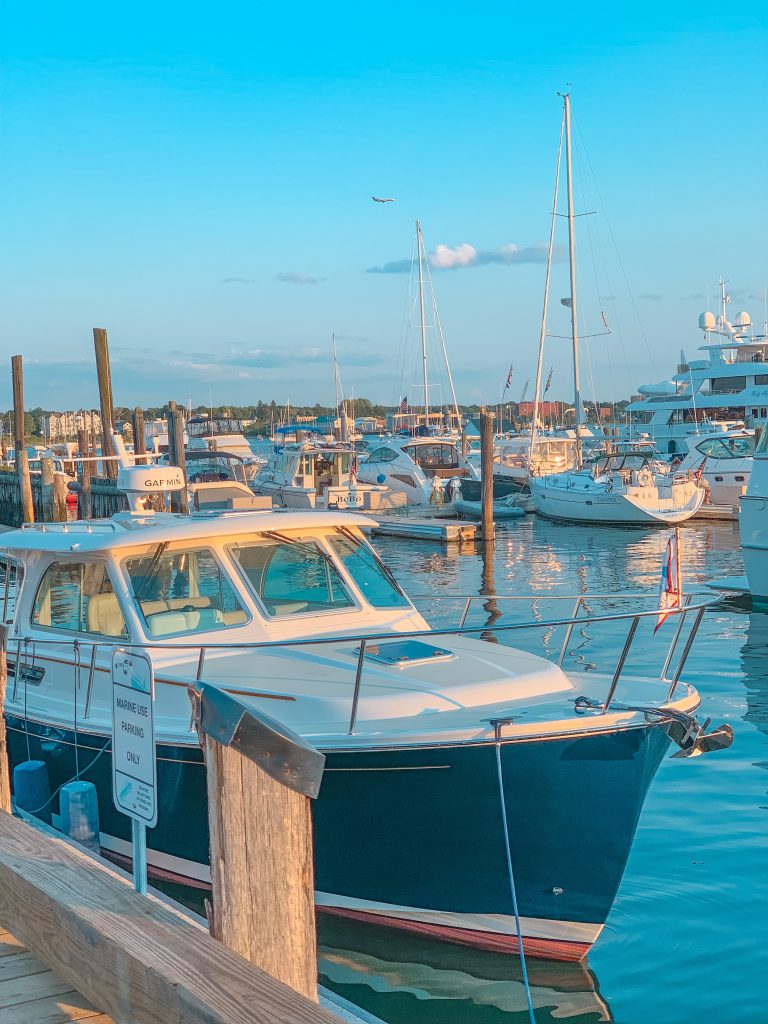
294	612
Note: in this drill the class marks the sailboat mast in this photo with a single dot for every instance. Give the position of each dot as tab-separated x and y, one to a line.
543	330
419	247
572	266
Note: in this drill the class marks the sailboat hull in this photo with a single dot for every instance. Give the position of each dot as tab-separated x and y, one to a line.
570	503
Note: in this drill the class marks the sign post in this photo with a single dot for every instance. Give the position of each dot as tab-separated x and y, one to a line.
134	764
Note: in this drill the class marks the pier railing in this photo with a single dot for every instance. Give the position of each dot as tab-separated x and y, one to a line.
24	668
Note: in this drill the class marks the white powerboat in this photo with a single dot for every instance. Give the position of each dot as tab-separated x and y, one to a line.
417	467
722	460
426	736
311	474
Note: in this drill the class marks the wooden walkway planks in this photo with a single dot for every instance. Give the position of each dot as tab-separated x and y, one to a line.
31	993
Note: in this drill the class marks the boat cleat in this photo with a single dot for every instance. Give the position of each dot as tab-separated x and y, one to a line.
684	730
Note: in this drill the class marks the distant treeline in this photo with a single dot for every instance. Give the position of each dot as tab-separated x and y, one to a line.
263	413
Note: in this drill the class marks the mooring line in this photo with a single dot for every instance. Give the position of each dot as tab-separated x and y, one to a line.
511	874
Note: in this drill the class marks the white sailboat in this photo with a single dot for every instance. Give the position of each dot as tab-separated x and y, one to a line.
623	488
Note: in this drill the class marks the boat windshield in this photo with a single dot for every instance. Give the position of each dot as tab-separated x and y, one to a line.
728	447
183	591
762	444
292	576
374	581
214	467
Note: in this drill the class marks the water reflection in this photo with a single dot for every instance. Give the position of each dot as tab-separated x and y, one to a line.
754	659
404	978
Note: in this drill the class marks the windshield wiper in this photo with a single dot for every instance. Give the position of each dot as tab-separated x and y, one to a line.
346	532
159	550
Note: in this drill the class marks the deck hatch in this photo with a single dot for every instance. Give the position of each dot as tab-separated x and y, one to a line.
406	652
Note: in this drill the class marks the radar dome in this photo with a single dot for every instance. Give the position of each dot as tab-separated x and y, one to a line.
743	320
707	322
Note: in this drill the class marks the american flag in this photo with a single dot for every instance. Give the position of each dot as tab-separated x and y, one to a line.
509	376
404	404
549	380
670	588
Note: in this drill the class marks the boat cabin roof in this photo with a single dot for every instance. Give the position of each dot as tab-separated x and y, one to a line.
128	529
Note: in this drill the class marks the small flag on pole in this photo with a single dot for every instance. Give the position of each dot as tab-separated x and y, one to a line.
404	404
670	589
549	380
509	376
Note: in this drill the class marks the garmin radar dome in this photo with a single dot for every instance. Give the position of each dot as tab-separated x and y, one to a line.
138	482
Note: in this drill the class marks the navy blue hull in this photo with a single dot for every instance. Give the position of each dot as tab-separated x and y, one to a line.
421	827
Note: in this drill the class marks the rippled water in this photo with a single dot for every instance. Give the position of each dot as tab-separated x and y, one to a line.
688	935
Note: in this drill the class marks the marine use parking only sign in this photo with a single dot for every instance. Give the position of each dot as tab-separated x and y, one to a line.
134	764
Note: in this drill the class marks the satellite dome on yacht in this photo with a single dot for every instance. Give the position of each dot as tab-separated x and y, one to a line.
664	387
707	321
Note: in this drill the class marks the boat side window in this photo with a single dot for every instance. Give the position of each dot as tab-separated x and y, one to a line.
762	444
183	591
291	576
11	578
375	582
77	597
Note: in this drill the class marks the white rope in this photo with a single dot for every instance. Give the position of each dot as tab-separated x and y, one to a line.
511	873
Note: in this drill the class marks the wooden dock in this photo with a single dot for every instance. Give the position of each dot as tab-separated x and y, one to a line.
31	993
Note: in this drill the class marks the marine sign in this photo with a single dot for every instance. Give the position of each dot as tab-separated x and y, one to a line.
134	764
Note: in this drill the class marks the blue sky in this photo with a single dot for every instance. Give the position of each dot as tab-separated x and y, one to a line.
197	179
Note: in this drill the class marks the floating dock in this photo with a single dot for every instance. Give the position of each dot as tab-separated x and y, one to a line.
445	531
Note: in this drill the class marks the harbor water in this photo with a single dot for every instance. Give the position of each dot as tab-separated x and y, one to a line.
687	938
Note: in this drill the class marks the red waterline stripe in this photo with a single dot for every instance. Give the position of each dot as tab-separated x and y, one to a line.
545	949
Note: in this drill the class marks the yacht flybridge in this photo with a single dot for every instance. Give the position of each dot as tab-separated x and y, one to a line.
294	611
726	390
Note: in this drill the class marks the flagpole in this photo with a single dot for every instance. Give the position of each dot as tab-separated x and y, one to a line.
679	580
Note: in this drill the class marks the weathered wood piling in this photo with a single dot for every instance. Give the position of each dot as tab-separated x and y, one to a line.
22	459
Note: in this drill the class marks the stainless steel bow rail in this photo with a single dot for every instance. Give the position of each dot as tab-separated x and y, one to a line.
27	670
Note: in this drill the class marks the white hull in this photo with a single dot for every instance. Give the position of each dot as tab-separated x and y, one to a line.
638	507
753	526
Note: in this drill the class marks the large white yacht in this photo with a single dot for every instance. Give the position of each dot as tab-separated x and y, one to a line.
725	390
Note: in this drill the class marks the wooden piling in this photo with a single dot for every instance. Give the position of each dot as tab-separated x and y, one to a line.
486	473
262	869
177	454
22	460
104	376
85	510
5	777
139	439
60	495
261	777
46	483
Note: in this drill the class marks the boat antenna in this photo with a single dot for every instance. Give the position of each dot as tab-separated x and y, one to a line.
543	332
419	253
572	267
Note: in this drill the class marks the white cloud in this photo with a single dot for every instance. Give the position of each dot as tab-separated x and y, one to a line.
445	256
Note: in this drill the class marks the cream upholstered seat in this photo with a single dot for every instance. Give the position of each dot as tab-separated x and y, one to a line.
105	615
